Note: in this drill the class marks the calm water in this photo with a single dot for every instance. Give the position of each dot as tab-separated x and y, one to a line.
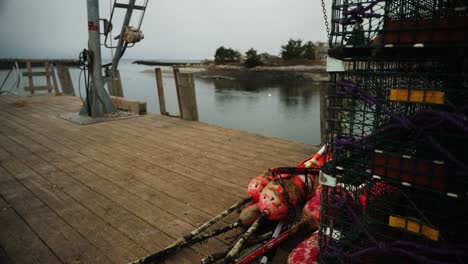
289	111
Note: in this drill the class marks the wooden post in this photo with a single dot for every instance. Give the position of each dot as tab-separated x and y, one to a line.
323	110
30	77
114	84
65	80
47	73
159	84
187	97
176	79
54	78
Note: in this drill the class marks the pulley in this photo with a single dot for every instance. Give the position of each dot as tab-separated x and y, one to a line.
133	35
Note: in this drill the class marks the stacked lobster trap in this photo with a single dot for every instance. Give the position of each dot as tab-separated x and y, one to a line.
396	188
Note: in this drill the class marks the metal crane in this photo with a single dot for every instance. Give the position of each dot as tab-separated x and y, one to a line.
98	102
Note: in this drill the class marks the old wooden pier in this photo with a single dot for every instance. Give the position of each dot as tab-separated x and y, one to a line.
116	191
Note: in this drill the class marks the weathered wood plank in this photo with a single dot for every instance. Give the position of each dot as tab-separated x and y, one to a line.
175	227
134	106
39	88
68	245
19	240
32	74
115	184
129	226
110	243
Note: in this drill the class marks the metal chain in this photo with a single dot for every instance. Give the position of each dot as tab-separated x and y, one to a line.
325	17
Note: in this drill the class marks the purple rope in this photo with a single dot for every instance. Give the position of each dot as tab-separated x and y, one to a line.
349	143
353	89
358	13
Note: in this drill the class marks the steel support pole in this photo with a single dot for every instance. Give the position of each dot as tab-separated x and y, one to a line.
98	98
126	22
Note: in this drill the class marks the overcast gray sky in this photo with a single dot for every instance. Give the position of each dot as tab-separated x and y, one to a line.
174	29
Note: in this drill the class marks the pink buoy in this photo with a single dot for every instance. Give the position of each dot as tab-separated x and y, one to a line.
279	195
311	211
306	252
257	184
249	214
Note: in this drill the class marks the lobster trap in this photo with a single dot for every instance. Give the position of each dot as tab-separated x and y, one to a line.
372	221
398	181
370	92
399	23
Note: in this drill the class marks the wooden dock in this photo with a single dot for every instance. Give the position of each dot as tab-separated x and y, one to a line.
116	191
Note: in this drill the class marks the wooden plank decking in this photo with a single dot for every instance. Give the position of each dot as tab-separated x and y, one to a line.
116	191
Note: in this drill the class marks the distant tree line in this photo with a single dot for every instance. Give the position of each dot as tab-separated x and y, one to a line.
226	55
294	49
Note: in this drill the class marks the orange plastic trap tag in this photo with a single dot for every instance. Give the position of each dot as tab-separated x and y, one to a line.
417	96
414	226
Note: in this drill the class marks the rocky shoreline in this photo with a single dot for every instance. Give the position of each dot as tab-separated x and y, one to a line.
267	74
274	74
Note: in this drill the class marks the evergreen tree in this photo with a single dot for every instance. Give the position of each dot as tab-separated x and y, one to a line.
252	59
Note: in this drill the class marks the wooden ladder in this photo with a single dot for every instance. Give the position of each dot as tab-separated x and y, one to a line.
48	73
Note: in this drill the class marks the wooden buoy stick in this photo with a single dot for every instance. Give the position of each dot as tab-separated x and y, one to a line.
238	246
213	221
161	255
203	227
259	240
272	243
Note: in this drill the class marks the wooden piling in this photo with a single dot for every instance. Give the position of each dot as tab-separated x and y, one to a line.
323	111
65	80
187	97
159	85
114	84
47	73
30	77
54	79
176	79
